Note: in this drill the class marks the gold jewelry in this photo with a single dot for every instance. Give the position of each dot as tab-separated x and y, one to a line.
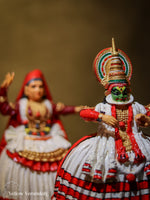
44	157
100	116
122	115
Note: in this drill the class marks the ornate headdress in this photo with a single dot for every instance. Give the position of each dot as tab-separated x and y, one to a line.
112	67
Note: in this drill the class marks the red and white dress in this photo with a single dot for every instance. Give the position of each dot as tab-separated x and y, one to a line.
112	164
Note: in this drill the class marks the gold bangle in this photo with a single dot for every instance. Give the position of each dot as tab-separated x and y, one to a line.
100	116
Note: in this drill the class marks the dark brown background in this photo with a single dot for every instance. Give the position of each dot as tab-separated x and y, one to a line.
62	38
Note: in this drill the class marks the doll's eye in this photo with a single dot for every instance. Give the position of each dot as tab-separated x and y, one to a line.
115	91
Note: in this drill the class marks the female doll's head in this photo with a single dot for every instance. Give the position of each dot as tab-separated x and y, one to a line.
34	87
34	90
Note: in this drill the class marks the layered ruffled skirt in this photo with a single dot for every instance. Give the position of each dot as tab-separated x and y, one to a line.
28	165
76	179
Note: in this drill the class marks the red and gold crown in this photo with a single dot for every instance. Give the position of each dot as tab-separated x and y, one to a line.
112	67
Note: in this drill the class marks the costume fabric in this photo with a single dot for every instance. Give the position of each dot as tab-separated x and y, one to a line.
93	170
29	160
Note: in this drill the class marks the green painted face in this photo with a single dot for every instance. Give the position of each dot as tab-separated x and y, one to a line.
120	93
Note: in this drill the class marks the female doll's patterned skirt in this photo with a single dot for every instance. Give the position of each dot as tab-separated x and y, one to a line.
29	172
72	184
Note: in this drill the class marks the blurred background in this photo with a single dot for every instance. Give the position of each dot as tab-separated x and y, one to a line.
62	38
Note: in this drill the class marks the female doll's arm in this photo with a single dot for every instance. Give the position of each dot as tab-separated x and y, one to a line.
6	108
61	109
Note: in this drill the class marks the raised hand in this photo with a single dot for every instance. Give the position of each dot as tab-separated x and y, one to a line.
8	80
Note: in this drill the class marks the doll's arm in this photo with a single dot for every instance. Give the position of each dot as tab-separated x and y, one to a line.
92	115
6	108
142	120
62	109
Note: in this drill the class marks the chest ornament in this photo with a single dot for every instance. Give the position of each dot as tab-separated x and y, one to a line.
124	137
44	132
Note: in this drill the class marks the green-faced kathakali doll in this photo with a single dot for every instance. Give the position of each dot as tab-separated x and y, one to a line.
115	162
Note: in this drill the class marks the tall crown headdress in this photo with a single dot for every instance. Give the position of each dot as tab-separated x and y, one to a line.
112	66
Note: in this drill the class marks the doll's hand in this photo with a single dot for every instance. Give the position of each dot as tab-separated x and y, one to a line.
59	106
110	120
8	80
142	120
79	108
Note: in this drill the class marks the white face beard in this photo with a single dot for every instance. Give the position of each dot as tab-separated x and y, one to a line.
110	100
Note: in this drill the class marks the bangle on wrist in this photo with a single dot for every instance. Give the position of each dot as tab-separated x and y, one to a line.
100	117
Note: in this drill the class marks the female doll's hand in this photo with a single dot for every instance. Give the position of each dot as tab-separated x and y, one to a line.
8	80
79	108
110	120
60	106
142	120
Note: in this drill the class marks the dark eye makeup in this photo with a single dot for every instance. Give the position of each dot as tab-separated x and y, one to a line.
115	91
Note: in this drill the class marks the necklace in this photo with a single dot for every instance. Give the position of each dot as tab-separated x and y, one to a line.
131	142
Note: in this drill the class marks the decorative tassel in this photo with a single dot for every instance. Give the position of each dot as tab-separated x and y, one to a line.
111	176
139	157
86	168
29	163
121	150
37	166
97	175
147	170
45	167
130	177
53	166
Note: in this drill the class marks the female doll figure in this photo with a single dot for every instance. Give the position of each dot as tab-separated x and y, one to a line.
34	142
115	162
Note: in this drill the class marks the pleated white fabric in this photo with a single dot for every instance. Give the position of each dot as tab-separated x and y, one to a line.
19	182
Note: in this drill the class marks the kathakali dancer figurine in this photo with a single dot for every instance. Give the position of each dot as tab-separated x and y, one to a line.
34	141
114	163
